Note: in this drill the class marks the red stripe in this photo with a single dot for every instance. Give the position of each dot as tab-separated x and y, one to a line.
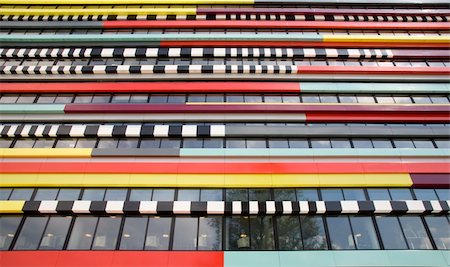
373	117
222	167
139	87
226	24
372	70
111	258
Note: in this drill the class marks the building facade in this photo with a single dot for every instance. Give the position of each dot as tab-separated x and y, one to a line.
224	133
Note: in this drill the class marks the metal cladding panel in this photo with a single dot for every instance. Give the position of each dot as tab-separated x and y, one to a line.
431	180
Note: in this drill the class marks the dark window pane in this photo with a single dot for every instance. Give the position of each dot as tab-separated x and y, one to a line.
192	143
68	194
378	194
93	194
210	233
320	143
46	99
403	143
340	233
307	195
4	193
141	194
262	233
21	194
128	143
291	99
116	194
285	194
101	99
236	195
31	233
120	99
443	194
158	99
340	143
381	143
8	229
150	143
364	233
214	98
259	195
185	233
313	232
197	98
176	99
188	194
331	194
5	143
348	99
55	233
158	233
390	232
170	143
328	99
235	143
440	231
132	234
400	194
425	194
213	143
415	233
82	233
289	233
211	195
298	143
107	233
237	233
63	99
273	99
86	143
235	98
354	194
163	194
46	194
362	143
253	98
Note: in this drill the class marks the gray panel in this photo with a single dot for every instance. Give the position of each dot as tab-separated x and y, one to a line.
135	152
413	131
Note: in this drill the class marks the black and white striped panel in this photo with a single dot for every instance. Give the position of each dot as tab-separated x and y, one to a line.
30	130
238	207
151	69
275	17
193	52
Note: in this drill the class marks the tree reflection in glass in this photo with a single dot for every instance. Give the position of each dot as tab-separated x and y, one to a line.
210	233
238	233
289	235
262	237
313	232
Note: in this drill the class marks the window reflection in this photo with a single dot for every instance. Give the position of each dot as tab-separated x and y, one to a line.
289	234
132	235
210	233
440	231
364	233
238	233
185	237
313	232
106	233
262	233
55	233
31	233
415	233
8	229
82	233
158	233
390	232
341	236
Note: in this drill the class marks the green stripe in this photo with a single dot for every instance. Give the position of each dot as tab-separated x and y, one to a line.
159	37
336	87
33	109
256	152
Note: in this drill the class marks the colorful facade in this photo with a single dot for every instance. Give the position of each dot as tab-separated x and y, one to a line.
224	133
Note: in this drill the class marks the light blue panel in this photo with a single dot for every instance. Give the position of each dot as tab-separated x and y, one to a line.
251	259
446	255
32	108
358	87
306	258
214	152
412	258
361	258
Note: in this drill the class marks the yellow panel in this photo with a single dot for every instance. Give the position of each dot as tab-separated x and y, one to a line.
54	180
18	180
295	180
248	180
11	206
153	180
389	180
126	2
201	180
364	180
98	11
387	39
45	152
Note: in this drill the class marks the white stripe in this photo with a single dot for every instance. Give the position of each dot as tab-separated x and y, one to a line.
53	131
48	206
170	69
215	207
219	52
253	207
195	69
321	209
309	52
236	207
99	69
304	207
181	207
115	207
287	207
219	69
161	131
197	52
107	52
349	206
174	52
217	130
123	69
146	69
148	207
270	207
151	52
415	206
12	130
353	53
39	131
436	206
26	129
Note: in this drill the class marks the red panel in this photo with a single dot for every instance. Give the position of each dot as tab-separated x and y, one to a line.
222	167
110	259
371	70
260	24
431	180
373	117
136	87
315	11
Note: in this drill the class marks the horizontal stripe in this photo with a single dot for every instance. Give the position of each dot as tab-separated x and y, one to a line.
431	180
370	87
45	152
99	130
11	206
207	180
95	11
132	2
34	109
429	169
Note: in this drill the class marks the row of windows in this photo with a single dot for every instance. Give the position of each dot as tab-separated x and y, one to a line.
174	143
229	233
196	194
232	98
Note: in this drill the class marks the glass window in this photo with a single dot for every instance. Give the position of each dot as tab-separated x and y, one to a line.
139	99
4	193
298	143
158	233
158	99
63	99
310	99
320	143
402	99
6	143
106	233
291	99
253	98
185	233
235	98
150	143
443	194
31	233
390	232
415	233
8	99
235	143
440	231
213	143
8	229
425	194
400	194
197	98
163	194
210	233
259	195
128	143
93	194
362	143
273	99
236	195
82	233
21	194
46	194
66	143
44	143
313	232
262	237
120	99
340	143
366	99
238	233
289	233
86	143
332	194
328	99
348	99
132	234
442	143
403	143
354	194
385	100
83	99
193	143
381	143
423	144
364	233
307	195
378	194
107	143
24	143
214	98
421	99
141	194
341	236
436	99
26	99
101	99
176	99
285	194
188	194
116	194
68	194
278	143
170	143
211	195
55	233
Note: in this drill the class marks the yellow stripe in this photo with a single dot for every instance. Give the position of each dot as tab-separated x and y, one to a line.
126	2
206	180
11	206
79	11
45	152
386	39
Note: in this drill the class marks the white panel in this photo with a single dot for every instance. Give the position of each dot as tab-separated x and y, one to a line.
219	69
236	207
197	69
304	207
270	207
99	69
181	207
197	52
253	207
146	69
415	206
382	206
174	52
81	206
53	131
148	207
48	206
39	130
436	206
151	52
215	207
219	52
189	131
107	52
321	207
105	130
114	207
353	53
12	130
123	69
77	130
161	131
217	130
171	69
287	207
349	206
129	52
331	52
133	131
309	52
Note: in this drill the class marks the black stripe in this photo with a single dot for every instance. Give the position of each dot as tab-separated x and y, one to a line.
63	131
32	131
333	207
147	131
87	69
183	69
135	69
31	207
444	206
228	208
279	207
207	69
91	131
203	131
262	207
118	52
19	129
366	206
295	207
399	206
164	207
208	52
158	69
245	208
141	51
111	69
312	207
185	52
163	52
428	206
46	131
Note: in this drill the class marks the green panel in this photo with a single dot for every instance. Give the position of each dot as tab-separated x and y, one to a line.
361	258
446	255
251	259
306	258
357	87
32	108
411	258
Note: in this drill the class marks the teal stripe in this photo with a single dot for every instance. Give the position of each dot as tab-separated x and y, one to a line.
379	258
336	87
33	109
159	37
334	152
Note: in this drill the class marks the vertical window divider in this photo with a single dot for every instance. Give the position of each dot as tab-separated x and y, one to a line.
69	232
119	237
